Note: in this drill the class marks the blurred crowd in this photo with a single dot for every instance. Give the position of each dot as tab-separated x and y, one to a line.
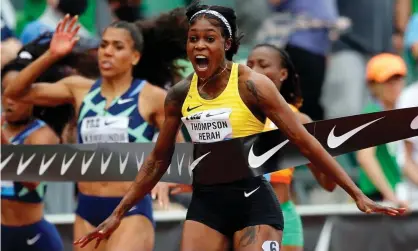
352	57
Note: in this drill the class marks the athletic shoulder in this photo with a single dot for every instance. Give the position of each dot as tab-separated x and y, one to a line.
77	81
151	101
79	86
177	93
43	136
252	84
152	91
304	118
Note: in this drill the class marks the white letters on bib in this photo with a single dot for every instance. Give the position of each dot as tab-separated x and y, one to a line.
109	129
209	126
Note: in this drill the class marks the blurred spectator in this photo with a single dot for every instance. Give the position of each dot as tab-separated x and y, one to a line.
249	22
344	91
127	10
380	172
411	48
54	12
7	19
6	32
9	46
308	48
407	155
9	49
403	10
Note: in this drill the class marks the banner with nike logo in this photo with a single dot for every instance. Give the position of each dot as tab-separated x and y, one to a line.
210	163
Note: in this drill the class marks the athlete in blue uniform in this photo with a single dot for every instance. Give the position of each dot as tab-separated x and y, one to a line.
23	227
121	106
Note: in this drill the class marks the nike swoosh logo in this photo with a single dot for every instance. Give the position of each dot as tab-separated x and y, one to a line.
4	163
180	164
211	115
124	101
22	165
195	162
84	165
249	194
65	166
110	122
44	166
33	240
335	141
257	161
132	209
122	165
191	109
104	165
139	163
414	123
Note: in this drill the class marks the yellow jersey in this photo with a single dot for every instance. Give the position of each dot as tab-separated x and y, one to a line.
221	118
286	175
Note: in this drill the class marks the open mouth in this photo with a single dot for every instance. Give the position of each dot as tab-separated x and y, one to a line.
202	63
106	65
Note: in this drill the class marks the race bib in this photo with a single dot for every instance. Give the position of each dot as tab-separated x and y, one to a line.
109	129
7	188
209	126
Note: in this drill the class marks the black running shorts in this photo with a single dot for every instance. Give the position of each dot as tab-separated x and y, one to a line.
228	208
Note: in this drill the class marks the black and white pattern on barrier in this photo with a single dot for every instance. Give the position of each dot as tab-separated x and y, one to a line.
210	163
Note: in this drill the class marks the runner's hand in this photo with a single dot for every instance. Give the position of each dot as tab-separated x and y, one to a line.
160	192
103	231
64	38
368	206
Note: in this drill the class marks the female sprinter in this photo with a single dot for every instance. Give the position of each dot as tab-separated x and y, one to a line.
117	106
274	63
23	226
221	214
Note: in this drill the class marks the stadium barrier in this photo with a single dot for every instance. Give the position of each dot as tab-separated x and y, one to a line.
330	227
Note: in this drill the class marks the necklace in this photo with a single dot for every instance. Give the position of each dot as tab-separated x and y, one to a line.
210	78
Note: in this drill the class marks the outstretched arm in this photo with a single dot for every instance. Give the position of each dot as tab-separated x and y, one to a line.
22	89
153	168
158	161
264	93
322	179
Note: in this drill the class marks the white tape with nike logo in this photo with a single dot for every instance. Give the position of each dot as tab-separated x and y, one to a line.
335	141
414	123
195	162
257	161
